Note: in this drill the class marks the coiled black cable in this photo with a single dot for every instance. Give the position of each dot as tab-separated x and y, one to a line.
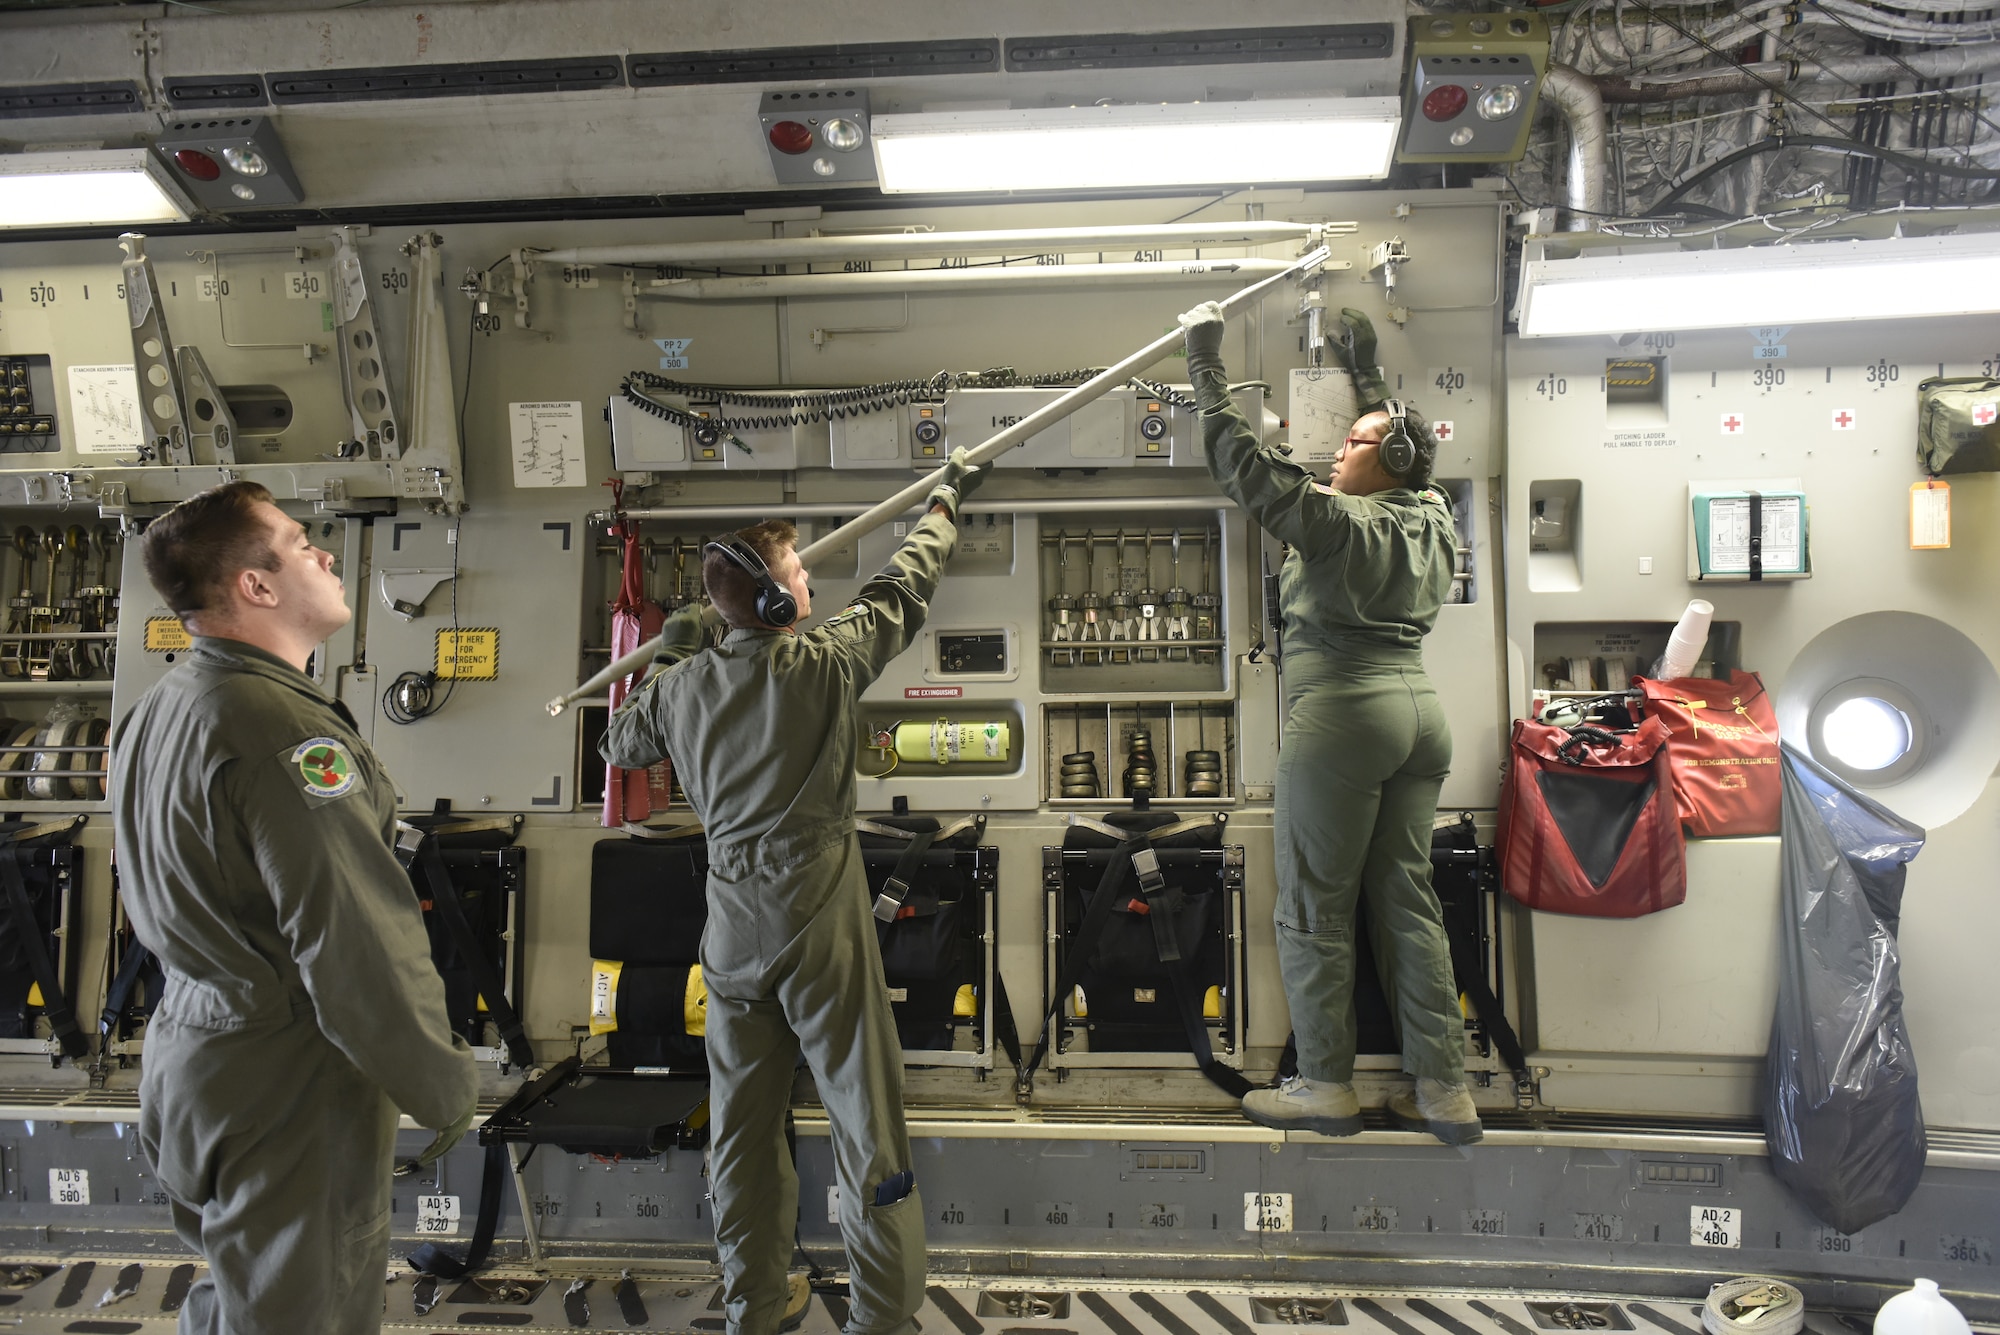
413	696
1164	393
804	408
807	408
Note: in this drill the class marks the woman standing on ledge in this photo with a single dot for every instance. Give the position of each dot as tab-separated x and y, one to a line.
1365	746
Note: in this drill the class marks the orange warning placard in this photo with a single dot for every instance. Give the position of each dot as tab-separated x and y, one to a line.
166	635
1930	515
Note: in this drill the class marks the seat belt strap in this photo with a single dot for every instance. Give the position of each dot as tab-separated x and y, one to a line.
444	898
35	944
1004	1031
1111	831
431	1259
119	996
1162	908
902	877
1095	916
1195	1029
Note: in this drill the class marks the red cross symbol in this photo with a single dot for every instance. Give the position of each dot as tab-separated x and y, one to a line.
1843	420
1984	413
1442	430
1731	424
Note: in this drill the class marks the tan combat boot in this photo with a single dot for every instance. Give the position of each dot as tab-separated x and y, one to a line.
1300	1104
1445	1111
797	1299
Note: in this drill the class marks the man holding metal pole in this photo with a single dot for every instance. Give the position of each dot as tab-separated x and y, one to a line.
763	734
1365	746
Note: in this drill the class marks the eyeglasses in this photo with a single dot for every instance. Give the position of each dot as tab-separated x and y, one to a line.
1352	441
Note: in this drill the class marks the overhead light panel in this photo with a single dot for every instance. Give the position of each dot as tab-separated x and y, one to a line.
817	136
1117	147
230	164
1802	283
93	187
1470	85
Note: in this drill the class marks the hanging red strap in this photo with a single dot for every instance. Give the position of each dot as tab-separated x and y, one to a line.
632	795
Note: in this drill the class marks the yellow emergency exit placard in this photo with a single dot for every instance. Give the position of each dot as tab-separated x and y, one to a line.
468	654
166	635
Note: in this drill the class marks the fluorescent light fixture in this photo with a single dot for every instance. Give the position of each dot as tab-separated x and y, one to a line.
110	186
1107	148
1750	287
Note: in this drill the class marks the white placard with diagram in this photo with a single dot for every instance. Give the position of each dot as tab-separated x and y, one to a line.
104	409
548	444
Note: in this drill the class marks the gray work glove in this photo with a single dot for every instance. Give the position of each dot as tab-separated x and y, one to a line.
956	481
446	1138
1203	327
688	629
1355	350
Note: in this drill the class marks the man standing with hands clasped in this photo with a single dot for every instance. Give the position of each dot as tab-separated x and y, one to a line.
256	836
763	731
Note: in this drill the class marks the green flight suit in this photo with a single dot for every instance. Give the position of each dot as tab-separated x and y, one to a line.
1364	748
764	735
302	1010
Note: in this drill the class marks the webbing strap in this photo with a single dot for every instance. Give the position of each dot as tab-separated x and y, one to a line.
1154	835
1094	918
431	1259
897	832
1162	910
1229	1080
897	888
1164	907
444	898
34	943
1469	974
1756	536
1163	914
119	995
1004	1031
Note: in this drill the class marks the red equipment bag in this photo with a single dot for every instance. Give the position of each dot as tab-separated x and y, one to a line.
1587	821
1724	748
633	795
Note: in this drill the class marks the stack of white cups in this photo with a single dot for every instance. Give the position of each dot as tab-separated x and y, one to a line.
1684	646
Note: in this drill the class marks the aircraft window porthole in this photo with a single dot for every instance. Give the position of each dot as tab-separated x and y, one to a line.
1922	731
1870	731
1867	733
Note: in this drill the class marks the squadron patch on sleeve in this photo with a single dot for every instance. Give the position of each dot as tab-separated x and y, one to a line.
325	767
852	611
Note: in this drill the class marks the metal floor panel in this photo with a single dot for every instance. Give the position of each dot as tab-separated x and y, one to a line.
75	1298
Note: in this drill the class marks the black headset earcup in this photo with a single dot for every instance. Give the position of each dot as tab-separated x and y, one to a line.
1398	451
776	606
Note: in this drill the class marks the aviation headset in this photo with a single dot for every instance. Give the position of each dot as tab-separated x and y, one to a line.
775	604
1399	447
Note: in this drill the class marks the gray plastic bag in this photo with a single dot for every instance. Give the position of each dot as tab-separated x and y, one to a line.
1841	1116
